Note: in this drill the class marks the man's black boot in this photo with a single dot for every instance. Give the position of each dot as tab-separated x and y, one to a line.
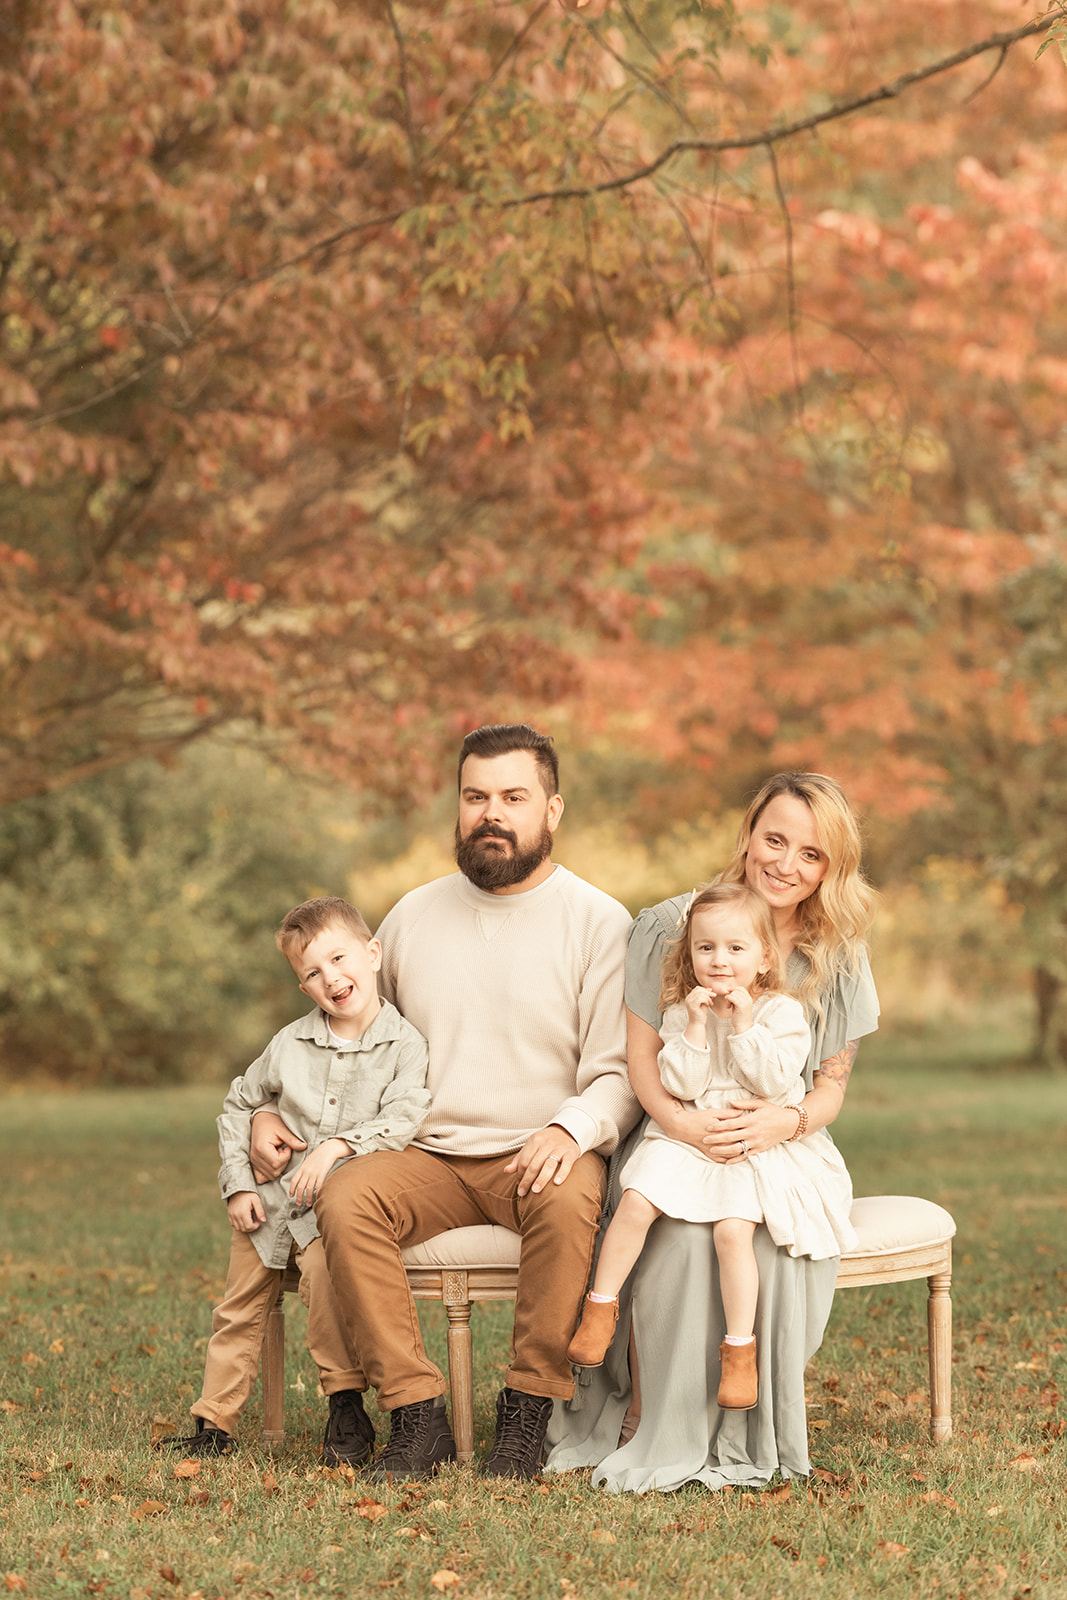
206	1441
349	1440
521	1423
420	1441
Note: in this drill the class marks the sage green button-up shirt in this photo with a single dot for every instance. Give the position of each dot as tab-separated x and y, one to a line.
370	1091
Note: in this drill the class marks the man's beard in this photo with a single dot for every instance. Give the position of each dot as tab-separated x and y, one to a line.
493	869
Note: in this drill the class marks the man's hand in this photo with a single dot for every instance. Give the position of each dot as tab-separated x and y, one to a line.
246	1211
315	1170
271	1146
547	1157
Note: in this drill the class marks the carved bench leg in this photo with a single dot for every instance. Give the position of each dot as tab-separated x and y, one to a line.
272	1372
456	1297
939	1323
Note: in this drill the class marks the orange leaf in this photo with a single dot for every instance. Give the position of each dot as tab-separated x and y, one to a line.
1024	1463
168	1574
187	1469
148	1508
371	1509
445	1578
891	1549
603	1536
13	1581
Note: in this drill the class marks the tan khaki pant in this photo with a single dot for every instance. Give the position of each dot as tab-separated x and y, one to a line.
239	1322
372	1207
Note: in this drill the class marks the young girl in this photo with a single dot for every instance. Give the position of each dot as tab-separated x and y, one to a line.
729	1033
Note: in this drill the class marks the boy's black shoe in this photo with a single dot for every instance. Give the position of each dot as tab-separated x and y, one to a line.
521	1424
349	1440
206	1441
420	1441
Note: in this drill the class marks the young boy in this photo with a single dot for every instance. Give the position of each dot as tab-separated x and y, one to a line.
348	1078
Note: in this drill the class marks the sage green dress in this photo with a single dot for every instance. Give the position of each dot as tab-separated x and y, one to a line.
674	1301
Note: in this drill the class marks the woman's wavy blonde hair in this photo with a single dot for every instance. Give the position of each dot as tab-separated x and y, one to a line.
836	918
678	974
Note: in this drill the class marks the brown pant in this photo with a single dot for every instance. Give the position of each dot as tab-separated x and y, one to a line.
373	1206
239	1322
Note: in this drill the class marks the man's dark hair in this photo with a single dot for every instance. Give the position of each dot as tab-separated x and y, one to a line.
500	738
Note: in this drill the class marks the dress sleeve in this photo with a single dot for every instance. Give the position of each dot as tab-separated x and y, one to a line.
644	958
768	1058
684	1069
851	1011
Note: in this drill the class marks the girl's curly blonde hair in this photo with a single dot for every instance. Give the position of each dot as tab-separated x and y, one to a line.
679	978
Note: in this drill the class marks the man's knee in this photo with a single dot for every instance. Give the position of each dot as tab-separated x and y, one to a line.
573	1204
359	1191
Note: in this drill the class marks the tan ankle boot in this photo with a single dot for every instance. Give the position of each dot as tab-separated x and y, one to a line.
595	1332
738	1386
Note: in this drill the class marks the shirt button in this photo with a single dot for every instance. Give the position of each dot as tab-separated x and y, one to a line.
333	1101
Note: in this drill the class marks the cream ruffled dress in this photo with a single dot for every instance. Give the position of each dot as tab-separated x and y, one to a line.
800	1189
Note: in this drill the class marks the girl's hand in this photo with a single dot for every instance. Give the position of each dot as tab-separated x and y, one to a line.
698	1002
755	1123
738	1003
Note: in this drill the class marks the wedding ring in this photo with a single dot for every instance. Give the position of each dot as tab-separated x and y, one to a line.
744	1147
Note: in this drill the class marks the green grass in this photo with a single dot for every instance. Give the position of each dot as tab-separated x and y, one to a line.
115	1246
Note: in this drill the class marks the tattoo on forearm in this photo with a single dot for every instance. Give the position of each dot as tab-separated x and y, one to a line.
836	1069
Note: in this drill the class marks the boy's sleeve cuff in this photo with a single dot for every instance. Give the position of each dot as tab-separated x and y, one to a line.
237	1180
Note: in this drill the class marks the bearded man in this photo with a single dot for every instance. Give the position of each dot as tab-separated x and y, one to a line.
513	970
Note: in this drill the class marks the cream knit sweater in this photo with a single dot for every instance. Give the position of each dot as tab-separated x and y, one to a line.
520	997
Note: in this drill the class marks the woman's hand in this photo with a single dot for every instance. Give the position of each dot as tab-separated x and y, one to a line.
746	1129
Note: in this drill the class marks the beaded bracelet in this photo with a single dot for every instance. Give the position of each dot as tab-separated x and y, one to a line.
802	1125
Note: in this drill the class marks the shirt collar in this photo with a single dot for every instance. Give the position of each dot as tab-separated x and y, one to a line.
386	1027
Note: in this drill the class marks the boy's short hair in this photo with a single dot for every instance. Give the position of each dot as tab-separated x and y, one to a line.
305	921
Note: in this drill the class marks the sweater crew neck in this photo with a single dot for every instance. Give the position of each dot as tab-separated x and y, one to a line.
504	904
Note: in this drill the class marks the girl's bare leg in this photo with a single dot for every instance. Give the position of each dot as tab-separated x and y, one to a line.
739	1285
623	1242
621	1248
738	1274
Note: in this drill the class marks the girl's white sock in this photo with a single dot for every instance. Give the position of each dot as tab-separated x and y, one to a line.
602	1299
735	1338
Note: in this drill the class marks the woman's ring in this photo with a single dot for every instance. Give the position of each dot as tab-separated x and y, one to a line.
744	1147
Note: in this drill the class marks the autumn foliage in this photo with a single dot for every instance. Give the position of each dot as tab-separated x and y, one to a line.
367	371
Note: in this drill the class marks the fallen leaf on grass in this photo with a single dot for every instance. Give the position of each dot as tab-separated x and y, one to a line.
200	1498
30	1360
9	1406
148	1508
187	1469
603	1536
1024	1463
437	1505
14	1581
168	1574
56	1347
445	1578
933	1498
891	1550
820	1422
373	1510
270	1484
769	1496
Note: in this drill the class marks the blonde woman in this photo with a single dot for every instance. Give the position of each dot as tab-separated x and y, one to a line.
799	849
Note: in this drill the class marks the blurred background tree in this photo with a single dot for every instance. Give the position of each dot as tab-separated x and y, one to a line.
686	378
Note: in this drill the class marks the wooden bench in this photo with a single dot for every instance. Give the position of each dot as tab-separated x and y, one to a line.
900	1237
